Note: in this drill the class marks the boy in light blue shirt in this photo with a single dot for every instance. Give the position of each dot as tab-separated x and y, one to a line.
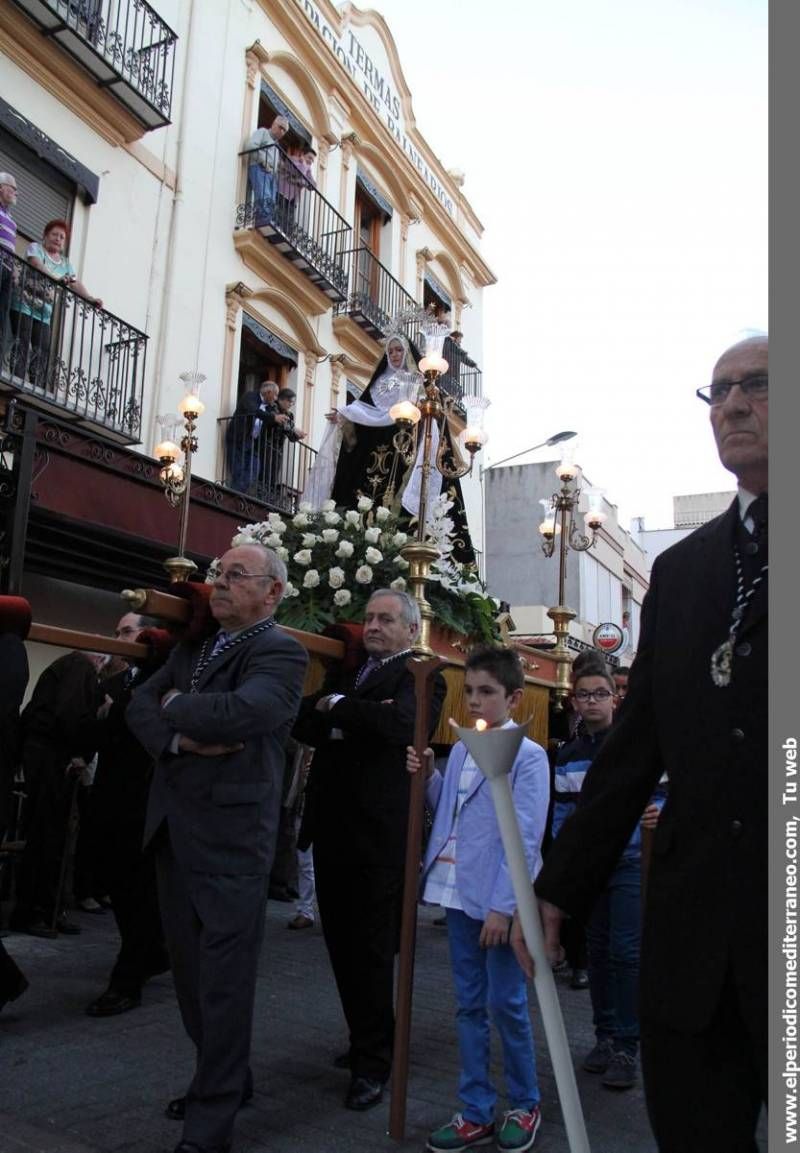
466	872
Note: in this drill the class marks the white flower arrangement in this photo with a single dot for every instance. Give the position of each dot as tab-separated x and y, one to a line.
336	559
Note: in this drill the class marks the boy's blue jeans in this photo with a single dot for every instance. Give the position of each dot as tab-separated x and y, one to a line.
613	935
489	982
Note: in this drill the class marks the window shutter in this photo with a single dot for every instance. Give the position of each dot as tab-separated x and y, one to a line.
42	193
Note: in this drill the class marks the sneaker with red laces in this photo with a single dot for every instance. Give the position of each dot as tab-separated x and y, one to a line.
460	1134
519	1129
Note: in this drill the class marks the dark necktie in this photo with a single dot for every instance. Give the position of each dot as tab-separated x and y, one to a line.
759	514
220	639
368	667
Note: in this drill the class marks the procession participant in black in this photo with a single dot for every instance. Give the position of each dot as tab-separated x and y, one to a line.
704	948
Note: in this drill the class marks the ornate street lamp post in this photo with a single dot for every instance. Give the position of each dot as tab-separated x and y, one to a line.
177	478
559	521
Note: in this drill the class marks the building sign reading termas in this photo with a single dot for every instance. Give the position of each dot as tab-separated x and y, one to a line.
372	73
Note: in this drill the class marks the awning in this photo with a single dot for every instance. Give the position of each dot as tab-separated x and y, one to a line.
442	294
50	151
373	194
269	338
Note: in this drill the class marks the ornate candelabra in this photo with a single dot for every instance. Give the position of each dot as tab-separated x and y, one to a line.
559	521
175	477
419	413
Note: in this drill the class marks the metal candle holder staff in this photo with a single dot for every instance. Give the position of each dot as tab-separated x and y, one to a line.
177	478
494	752
420	409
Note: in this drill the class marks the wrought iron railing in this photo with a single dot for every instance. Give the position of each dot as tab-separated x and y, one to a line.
285	206
463	377
263	463
68	353
375	299
125	45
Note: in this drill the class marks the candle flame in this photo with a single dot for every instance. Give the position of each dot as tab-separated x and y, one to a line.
480	724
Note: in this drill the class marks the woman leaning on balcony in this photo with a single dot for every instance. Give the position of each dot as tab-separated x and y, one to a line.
32	306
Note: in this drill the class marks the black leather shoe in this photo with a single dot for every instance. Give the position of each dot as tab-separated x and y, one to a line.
343	1060
363	1094
176	1110
110	1003
193	1147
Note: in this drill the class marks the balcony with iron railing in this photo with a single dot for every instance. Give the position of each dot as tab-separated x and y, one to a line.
264	465
123	44
375	299
291	214
463	377
67	355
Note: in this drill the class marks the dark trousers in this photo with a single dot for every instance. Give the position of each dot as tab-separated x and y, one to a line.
47	811
360	908
613	936
12	980
214	925
33	349
129	877
704	1091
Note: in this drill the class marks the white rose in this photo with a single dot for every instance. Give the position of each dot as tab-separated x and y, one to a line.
305	506
364	574
273	540
311	579
351	517
302	520
335	577
332	518
309	540
283	553
345	549
240	539
342	597
372	535
328	505
400	538
382	514
330	535
290	590
373	556
364	504
398	584
401	562
275	523
302	557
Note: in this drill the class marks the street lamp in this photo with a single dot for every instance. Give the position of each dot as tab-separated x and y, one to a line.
559	521
418	413
177	478
556	438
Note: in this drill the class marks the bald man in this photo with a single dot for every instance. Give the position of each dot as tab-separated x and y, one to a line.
696	708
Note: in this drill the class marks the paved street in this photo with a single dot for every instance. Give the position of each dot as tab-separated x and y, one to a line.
71	1084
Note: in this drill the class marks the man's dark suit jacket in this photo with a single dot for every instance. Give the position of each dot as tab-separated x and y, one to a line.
222	812
706	904
358	787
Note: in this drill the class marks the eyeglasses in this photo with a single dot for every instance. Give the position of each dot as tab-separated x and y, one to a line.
233	576
594	695
753	387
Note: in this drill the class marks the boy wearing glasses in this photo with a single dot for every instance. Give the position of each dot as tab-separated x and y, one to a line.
614	928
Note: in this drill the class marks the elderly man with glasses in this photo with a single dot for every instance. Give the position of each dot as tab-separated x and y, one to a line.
704	947
215	719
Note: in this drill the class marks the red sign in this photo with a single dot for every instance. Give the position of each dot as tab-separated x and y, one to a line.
608	637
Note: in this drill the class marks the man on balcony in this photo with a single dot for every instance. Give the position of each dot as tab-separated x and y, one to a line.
262	168
244	435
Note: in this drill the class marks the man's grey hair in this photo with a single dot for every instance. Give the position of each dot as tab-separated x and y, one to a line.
8	178
409	609
273	565
269	386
